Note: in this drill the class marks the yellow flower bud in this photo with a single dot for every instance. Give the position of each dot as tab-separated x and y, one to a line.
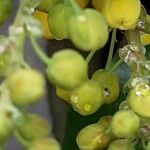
145	39
122	14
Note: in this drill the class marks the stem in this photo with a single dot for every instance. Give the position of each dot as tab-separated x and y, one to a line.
67	2
37	49
89	57
110	55
21	139
116	65
76	7
24	64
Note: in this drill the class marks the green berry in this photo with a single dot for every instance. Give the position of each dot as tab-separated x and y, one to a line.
92	137
45	5
125	124
68	69
58	19
138	99
110	84
63	94
89	30
6	126
121	144
5	10
26	86
87	98
33	127
45	144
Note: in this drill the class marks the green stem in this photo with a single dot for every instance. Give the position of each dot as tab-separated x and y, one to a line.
89	57
76	7
37	49
24	142
24	64
110	55
67	2
116	65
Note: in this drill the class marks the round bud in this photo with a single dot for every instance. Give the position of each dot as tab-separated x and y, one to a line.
5	10
138	99
42	17
110	84
68	69
88	31
59	26
45	5
125	124
6	126
121	144
82	3
92	137
87	98
63	94
33	127
105	121
116	13
45	144
26	86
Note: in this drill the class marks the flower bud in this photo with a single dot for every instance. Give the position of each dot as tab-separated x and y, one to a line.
45	144
115	12
110	84
82	3
33	127
58	19
68	69
92	137
105	121
125	124
121	144
89	30
87	98
26	87
138	99
98	4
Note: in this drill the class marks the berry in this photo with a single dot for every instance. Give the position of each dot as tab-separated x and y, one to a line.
87	98
89	30
125	124
68	69
26	86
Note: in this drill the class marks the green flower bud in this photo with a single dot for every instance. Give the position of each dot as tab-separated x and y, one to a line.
92	137
148	146
26	87
88	31
45	5
138	99
87	98
6	125
68	69
115	11
45	144
110	84
121	144
58	19
105	121
33	127
63	94
125	124
5	10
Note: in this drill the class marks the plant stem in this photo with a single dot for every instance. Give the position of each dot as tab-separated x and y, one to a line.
110	55
67	2
37	49
89	57
116	65
76	7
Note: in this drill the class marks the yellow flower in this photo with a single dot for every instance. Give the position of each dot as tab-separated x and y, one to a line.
145	39
42	17
122	14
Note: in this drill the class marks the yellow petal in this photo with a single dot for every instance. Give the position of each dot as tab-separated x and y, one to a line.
145	39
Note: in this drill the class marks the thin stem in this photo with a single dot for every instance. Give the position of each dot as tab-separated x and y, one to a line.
116	65
76	7
110	55
24	64
37	49
89	57
24	142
